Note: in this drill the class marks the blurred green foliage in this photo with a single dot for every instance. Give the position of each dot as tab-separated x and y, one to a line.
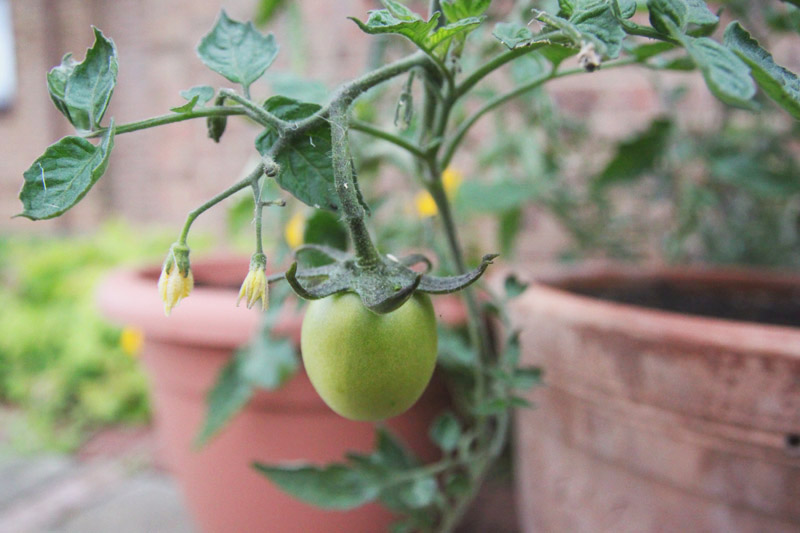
61	364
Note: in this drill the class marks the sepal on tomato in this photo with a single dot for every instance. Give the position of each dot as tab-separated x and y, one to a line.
383	287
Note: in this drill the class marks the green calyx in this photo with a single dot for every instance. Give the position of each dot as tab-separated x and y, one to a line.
382	287
258	261
178	255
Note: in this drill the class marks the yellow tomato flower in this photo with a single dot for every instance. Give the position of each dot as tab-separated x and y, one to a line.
426	206
176	280
451	181
293	233
131	340
255	286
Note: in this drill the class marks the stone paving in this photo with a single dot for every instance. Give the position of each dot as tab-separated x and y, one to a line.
114	484
111	485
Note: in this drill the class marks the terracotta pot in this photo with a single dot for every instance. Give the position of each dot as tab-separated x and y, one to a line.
183	355
655	420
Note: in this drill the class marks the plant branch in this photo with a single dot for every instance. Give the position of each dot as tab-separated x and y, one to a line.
236	187
258	212
348	92
255	111
498	61
169	119
452	144
364	127
344	182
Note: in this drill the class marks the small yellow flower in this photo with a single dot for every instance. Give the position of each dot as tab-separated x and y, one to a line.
176	280
451	181
131	340
293	233
255	286
426	206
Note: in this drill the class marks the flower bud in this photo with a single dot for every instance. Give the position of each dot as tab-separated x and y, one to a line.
255	286
176	280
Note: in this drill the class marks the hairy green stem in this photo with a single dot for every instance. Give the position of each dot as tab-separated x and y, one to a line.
348	92
344	182
236	187
479	469
258	213
369	129
487	68
257	112
162	120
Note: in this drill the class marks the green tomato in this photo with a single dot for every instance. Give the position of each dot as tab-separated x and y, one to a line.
367	366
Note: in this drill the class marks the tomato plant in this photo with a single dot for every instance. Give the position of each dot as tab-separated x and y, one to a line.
370	340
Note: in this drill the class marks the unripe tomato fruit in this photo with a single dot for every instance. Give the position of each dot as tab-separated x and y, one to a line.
367	366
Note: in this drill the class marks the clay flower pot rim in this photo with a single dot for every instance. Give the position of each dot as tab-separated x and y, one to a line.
552	290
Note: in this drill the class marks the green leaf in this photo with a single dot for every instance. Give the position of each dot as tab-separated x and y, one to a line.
513	287
727	76
398	19
566	8
237	51
699	19
512	349
495	406
793	2
508	229
442	36
596	21
57	83
306	169
297	88
627	8
455	10
757	176
497	197
81	91
264	363
325	228
675	17
266	10
63	175
188	107
645	51
391	453
668	15
635	155
454	352
777	82
228	396
527	377
513	34
333	486
457	484
446	431
196	96
418	493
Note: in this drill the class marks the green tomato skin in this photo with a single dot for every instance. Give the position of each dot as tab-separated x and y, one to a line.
367	366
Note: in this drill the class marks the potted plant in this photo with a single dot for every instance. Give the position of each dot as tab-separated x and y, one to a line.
369	338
